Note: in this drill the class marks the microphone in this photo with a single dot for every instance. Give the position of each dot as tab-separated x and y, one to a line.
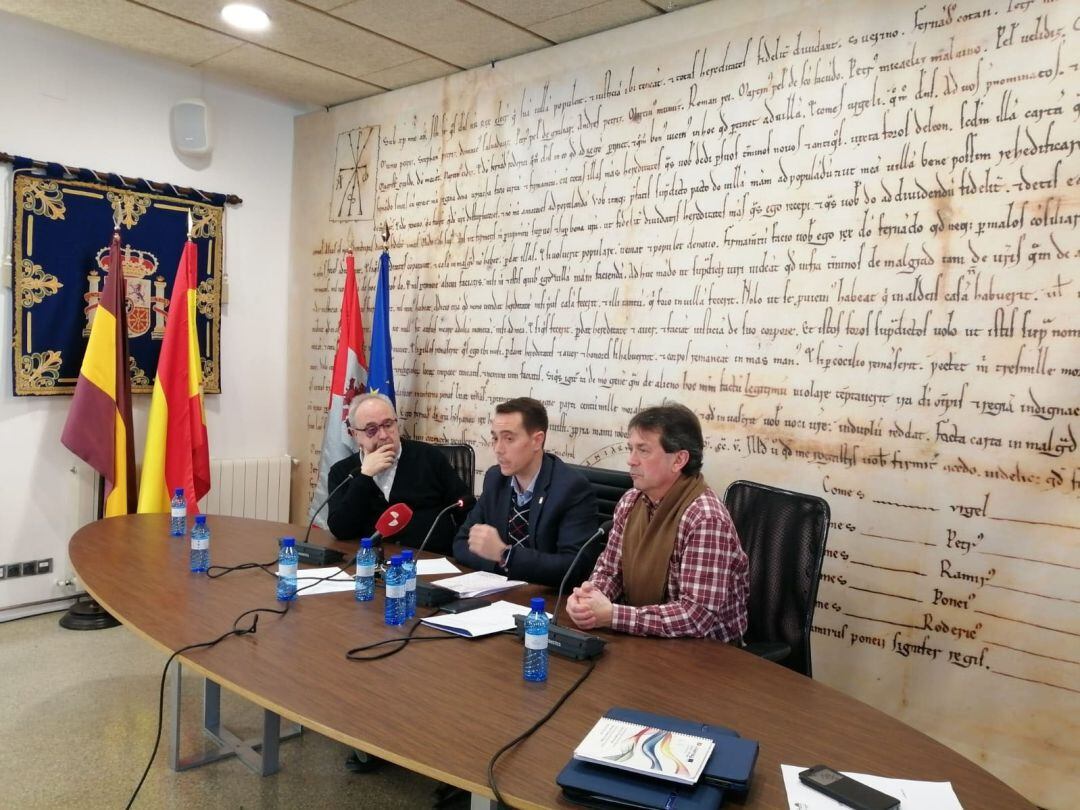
461	503
603	531
428	594
316	554
564	640
392	521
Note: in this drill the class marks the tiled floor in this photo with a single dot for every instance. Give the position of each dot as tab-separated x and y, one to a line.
78	711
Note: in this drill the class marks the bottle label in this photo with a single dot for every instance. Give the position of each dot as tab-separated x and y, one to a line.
365	571
179	511
395	591
286	569
410	584
536	641
199	543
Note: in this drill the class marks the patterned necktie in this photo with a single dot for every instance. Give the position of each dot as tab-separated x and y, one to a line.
518	530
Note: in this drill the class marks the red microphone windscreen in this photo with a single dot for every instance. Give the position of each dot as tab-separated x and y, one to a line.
393	520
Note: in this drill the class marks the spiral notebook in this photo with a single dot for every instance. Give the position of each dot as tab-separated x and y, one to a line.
646	750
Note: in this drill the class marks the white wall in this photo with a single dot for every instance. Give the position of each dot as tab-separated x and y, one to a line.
76	101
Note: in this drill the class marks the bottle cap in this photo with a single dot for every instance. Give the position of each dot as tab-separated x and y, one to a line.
179	492
365	542
537	604
395	560
288	542
200	519
406	555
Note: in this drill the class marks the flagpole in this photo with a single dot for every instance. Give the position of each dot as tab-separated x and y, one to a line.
87	613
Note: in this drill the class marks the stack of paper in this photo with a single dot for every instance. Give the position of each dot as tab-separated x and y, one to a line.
435	565
480	622
479	583
307	583
912	794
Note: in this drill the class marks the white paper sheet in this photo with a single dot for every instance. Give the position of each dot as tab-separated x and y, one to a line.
913	795
495	618
437	565
342	581
479	583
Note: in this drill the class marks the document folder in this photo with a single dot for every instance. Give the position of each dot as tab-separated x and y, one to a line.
732	762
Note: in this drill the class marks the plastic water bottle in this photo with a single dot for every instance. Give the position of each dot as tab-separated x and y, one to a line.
365	571
200	545
286	570
178	508
408	565
536	642
395	591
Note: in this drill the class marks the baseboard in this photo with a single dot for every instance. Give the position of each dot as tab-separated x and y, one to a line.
14	612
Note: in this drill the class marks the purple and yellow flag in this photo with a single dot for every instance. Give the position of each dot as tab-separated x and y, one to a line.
98	426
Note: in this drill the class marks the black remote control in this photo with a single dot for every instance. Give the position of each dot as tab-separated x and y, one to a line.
846	790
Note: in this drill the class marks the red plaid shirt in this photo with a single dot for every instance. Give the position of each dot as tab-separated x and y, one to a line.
707	582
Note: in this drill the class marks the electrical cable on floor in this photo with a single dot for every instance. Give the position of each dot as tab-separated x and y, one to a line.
236	631
161	691
529	731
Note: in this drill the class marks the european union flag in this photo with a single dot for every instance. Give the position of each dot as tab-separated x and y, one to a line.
381	363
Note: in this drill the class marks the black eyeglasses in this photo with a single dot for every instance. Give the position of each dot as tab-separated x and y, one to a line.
371	431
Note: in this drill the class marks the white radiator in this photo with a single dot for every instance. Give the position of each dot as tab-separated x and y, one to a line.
249	487
245	487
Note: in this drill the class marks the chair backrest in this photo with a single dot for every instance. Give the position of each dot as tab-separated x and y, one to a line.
463	460
783	533
608	486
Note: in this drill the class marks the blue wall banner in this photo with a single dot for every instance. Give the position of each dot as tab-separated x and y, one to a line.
63	223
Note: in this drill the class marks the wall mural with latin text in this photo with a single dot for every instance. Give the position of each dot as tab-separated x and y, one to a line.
845	236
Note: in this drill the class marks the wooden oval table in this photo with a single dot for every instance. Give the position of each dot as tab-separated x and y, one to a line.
465	698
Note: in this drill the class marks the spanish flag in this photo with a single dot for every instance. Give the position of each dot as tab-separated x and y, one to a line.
177	452
98	426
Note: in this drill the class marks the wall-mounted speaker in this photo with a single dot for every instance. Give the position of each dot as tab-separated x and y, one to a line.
189	125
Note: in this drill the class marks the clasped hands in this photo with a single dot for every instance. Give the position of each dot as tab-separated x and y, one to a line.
588	607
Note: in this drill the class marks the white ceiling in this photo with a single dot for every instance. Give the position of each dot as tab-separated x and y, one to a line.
326	52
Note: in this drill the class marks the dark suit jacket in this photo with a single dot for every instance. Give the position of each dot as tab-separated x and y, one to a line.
562	517
424	481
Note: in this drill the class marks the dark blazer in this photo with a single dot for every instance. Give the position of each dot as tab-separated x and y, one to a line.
424	481
562	517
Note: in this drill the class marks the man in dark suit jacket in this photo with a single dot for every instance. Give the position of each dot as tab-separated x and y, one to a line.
389	470
535	512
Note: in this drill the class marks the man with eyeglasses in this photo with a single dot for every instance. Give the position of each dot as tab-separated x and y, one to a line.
535	511
391	470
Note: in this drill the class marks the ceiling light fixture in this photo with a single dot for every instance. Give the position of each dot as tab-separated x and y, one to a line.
245	17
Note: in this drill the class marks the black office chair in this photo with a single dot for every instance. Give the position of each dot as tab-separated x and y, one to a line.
608	486
463	459
783	533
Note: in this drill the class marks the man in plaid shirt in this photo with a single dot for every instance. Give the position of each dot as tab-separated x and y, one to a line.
673	565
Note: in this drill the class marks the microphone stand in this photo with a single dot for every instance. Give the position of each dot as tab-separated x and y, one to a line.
316	554
566	641
458	504
428	594
601	532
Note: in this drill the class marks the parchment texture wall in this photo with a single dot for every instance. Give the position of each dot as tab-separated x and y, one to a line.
845	234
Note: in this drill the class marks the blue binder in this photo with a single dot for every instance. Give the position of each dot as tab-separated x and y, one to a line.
732	762
602	787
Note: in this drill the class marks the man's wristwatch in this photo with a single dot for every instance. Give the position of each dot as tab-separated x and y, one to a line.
504	558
